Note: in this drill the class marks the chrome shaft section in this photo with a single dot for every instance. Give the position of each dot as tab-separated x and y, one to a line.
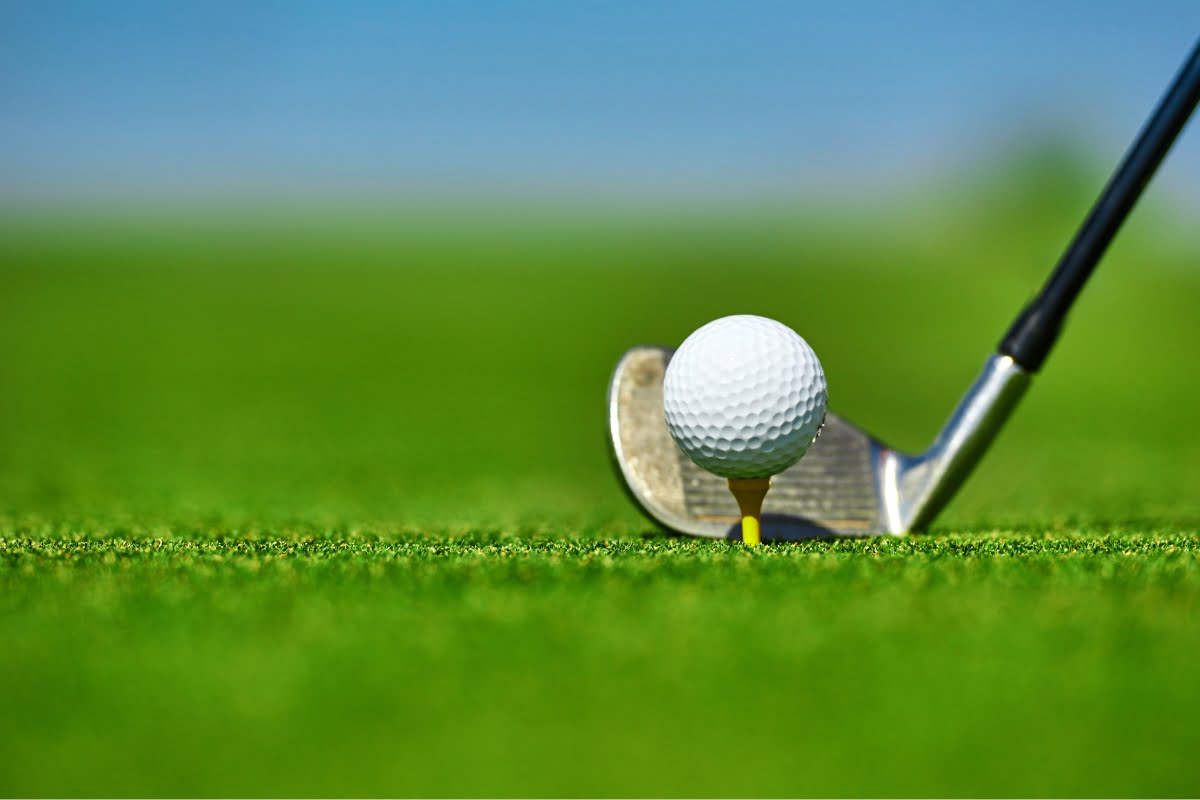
916	488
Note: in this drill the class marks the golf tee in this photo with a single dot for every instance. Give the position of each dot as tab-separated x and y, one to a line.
749	493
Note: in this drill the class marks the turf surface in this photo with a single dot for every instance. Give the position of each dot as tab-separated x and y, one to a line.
300	506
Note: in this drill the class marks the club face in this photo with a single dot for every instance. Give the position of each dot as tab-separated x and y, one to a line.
837	489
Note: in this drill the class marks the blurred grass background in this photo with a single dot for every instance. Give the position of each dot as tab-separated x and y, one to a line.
318	502
396	367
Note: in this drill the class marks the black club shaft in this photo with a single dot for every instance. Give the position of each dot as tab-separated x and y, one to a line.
1035	329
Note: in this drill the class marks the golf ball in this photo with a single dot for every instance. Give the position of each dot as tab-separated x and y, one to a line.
744	397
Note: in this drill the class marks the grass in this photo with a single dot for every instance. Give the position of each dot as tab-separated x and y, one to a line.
300	507
493	664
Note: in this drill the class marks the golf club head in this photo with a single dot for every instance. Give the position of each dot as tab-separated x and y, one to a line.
848	484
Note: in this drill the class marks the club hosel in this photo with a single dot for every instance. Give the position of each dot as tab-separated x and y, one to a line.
923	484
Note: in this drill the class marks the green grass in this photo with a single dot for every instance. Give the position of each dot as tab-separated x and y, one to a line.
300	507
488	664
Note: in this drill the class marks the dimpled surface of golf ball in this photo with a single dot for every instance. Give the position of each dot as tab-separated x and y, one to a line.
744	397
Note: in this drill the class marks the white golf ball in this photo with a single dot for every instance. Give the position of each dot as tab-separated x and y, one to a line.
744	397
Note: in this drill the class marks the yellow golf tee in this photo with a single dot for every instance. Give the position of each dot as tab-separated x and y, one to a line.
749	493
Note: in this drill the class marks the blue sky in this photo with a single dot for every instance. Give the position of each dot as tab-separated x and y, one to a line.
695	99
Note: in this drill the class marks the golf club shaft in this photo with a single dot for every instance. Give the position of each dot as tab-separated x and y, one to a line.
1034	331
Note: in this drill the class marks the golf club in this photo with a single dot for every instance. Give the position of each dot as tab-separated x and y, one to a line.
850	483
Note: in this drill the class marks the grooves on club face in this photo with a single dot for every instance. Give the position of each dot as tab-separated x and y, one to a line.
833	491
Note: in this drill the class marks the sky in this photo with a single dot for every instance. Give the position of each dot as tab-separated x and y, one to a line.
690	99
